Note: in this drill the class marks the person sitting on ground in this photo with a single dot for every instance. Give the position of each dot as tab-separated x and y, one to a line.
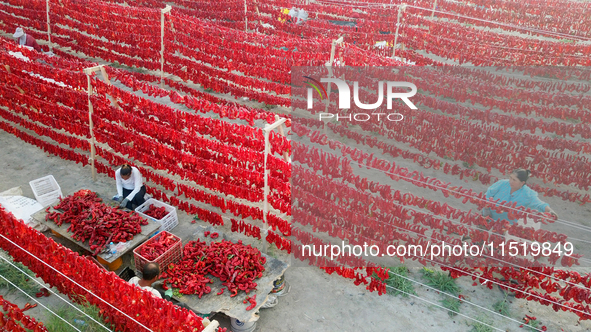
513	190
130	187
25	39
151	274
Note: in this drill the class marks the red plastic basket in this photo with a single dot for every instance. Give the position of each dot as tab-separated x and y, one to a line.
172	255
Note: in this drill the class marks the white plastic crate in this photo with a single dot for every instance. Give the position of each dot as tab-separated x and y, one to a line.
46	190
168	222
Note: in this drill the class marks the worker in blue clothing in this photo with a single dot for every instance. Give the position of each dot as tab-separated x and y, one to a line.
515	190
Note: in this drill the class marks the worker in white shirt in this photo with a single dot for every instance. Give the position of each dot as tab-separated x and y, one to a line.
130	187
151	275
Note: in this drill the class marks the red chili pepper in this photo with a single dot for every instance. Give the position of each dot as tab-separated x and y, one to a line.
235	264
94	221
156	212
252	301
214	235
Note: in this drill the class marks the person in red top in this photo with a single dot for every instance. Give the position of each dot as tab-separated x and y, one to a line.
26	40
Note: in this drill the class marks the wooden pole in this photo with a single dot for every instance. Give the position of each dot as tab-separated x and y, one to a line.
211	326
88	72
434	7
402	48
401	9
106	79
266	174
285	154
335	42
48	25
162	12
267	130
245	18
333	48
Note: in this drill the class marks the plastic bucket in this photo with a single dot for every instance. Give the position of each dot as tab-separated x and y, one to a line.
279	286
238	326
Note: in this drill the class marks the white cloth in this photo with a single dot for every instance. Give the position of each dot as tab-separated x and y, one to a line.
134	183
23	39
135	281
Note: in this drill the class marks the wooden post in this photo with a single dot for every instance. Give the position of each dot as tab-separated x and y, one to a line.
210	326
285	154
401	9
333	48
245	18
335	42
48	26
106	79
402	48
162	12
88	72
267	130
434	7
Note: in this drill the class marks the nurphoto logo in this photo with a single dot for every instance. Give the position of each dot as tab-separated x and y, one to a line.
344	101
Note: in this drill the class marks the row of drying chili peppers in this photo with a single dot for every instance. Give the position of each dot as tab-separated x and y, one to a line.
414	177
13	319
79	276
78	114
322	225
186	122
367	32
205	215
428	162
552	167
320	161
452	108
195	100
492	90
208	182
37	106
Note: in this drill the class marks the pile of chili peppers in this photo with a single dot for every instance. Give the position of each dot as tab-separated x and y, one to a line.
13	318
157	246
156	212
94	221
235	264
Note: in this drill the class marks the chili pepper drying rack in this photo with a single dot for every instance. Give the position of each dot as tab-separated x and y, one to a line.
163	11
401	9
89	71
48	25
267	130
